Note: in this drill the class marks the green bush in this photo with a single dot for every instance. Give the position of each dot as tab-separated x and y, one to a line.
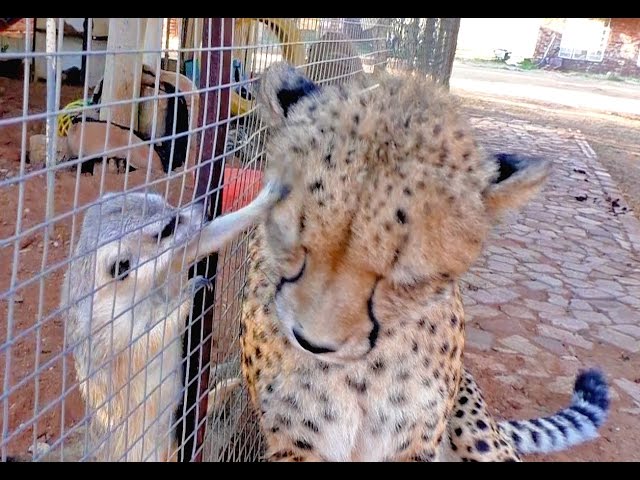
527	64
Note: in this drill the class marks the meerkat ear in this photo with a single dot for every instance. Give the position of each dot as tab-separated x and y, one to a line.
517	180
281	87
221	230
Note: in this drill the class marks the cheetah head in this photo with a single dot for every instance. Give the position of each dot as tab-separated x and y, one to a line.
390	200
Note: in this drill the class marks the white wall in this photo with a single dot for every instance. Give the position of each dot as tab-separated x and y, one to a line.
95	63
478	37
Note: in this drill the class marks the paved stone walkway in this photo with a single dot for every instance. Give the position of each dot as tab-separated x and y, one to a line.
558	290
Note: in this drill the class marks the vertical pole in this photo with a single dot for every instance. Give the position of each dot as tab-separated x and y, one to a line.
85	44
120	71
32	71
51	132
153	41
216	70
167	37
187	39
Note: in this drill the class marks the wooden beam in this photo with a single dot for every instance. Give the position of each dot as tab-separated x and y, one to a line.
216	67
152	41
122	71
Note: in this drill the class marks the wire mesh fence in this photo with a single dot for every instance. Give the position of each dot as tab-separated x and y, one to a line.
120	139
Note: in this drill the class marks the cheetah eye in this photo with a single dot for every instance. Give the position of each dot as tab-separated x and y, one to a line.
120	269
296	276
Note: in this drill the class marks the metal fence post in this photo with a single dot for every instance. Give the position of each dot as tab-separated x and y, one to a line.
216	65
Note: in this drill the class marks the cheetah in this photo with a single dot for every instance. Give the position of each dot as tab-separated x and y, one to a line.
352	333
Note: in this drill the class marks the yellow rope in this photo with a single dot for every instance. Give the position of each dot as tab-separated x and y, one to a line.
64	119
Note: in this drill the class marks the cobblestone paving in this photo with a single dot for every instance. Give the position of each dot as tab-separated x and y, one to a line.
558	290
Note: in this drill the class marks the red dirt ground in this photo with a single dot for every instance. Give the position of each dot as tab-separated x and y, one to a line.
58	373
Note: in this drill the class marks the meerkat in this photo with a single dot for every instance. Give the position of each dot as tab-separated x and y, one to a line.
127	295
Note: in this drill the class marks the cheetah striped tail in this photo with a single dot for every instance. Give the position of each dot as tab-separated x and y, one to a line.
570	426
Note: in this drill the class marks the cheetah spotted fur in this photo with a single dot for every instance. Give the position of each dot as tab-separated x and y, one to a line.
352	333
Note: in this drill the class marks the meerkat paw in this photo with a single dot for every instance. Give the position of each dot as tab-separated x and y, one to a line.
198	282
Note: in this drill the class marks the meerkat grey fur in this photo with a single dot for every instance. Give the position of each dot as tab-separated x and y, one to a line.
127	296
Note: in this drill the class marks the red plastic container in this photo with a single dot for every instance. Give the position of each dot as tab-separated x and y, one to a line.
240	187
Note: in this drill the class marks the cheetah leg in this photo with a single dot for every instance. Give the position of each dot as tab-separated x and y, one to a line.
293	455
474	436
282	449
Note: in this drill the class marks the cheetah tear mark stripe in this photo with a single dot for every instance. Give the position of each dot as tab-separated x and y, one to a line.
570	426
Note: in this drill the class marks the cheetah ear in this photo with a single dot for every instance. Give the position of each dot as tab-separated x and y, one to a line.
517	179
281	87
220	231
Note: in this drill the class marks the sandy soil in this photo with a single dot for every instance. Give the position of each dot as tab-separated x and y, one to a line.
606	112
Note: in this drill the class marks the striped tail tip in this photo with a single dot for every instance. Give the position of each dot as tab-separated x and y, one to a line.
573	425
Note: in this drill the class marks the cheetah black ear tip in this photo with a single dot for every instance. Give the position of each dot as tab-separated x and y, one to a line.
293	89
283	85
516	179
514	164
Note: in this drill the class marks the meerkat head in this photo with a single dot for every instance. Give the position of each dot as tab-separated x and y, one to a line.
127	246
130	243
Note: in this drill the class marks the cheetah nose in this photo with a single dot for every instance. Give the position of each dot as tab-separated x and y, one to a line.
304	343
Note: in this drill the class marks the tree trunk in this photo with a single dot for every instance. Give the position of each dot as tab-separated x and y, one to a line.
450	28
427	45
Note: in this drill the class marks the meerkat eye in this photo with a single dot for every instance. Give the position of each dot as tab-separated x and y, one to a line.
120	269
169	228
